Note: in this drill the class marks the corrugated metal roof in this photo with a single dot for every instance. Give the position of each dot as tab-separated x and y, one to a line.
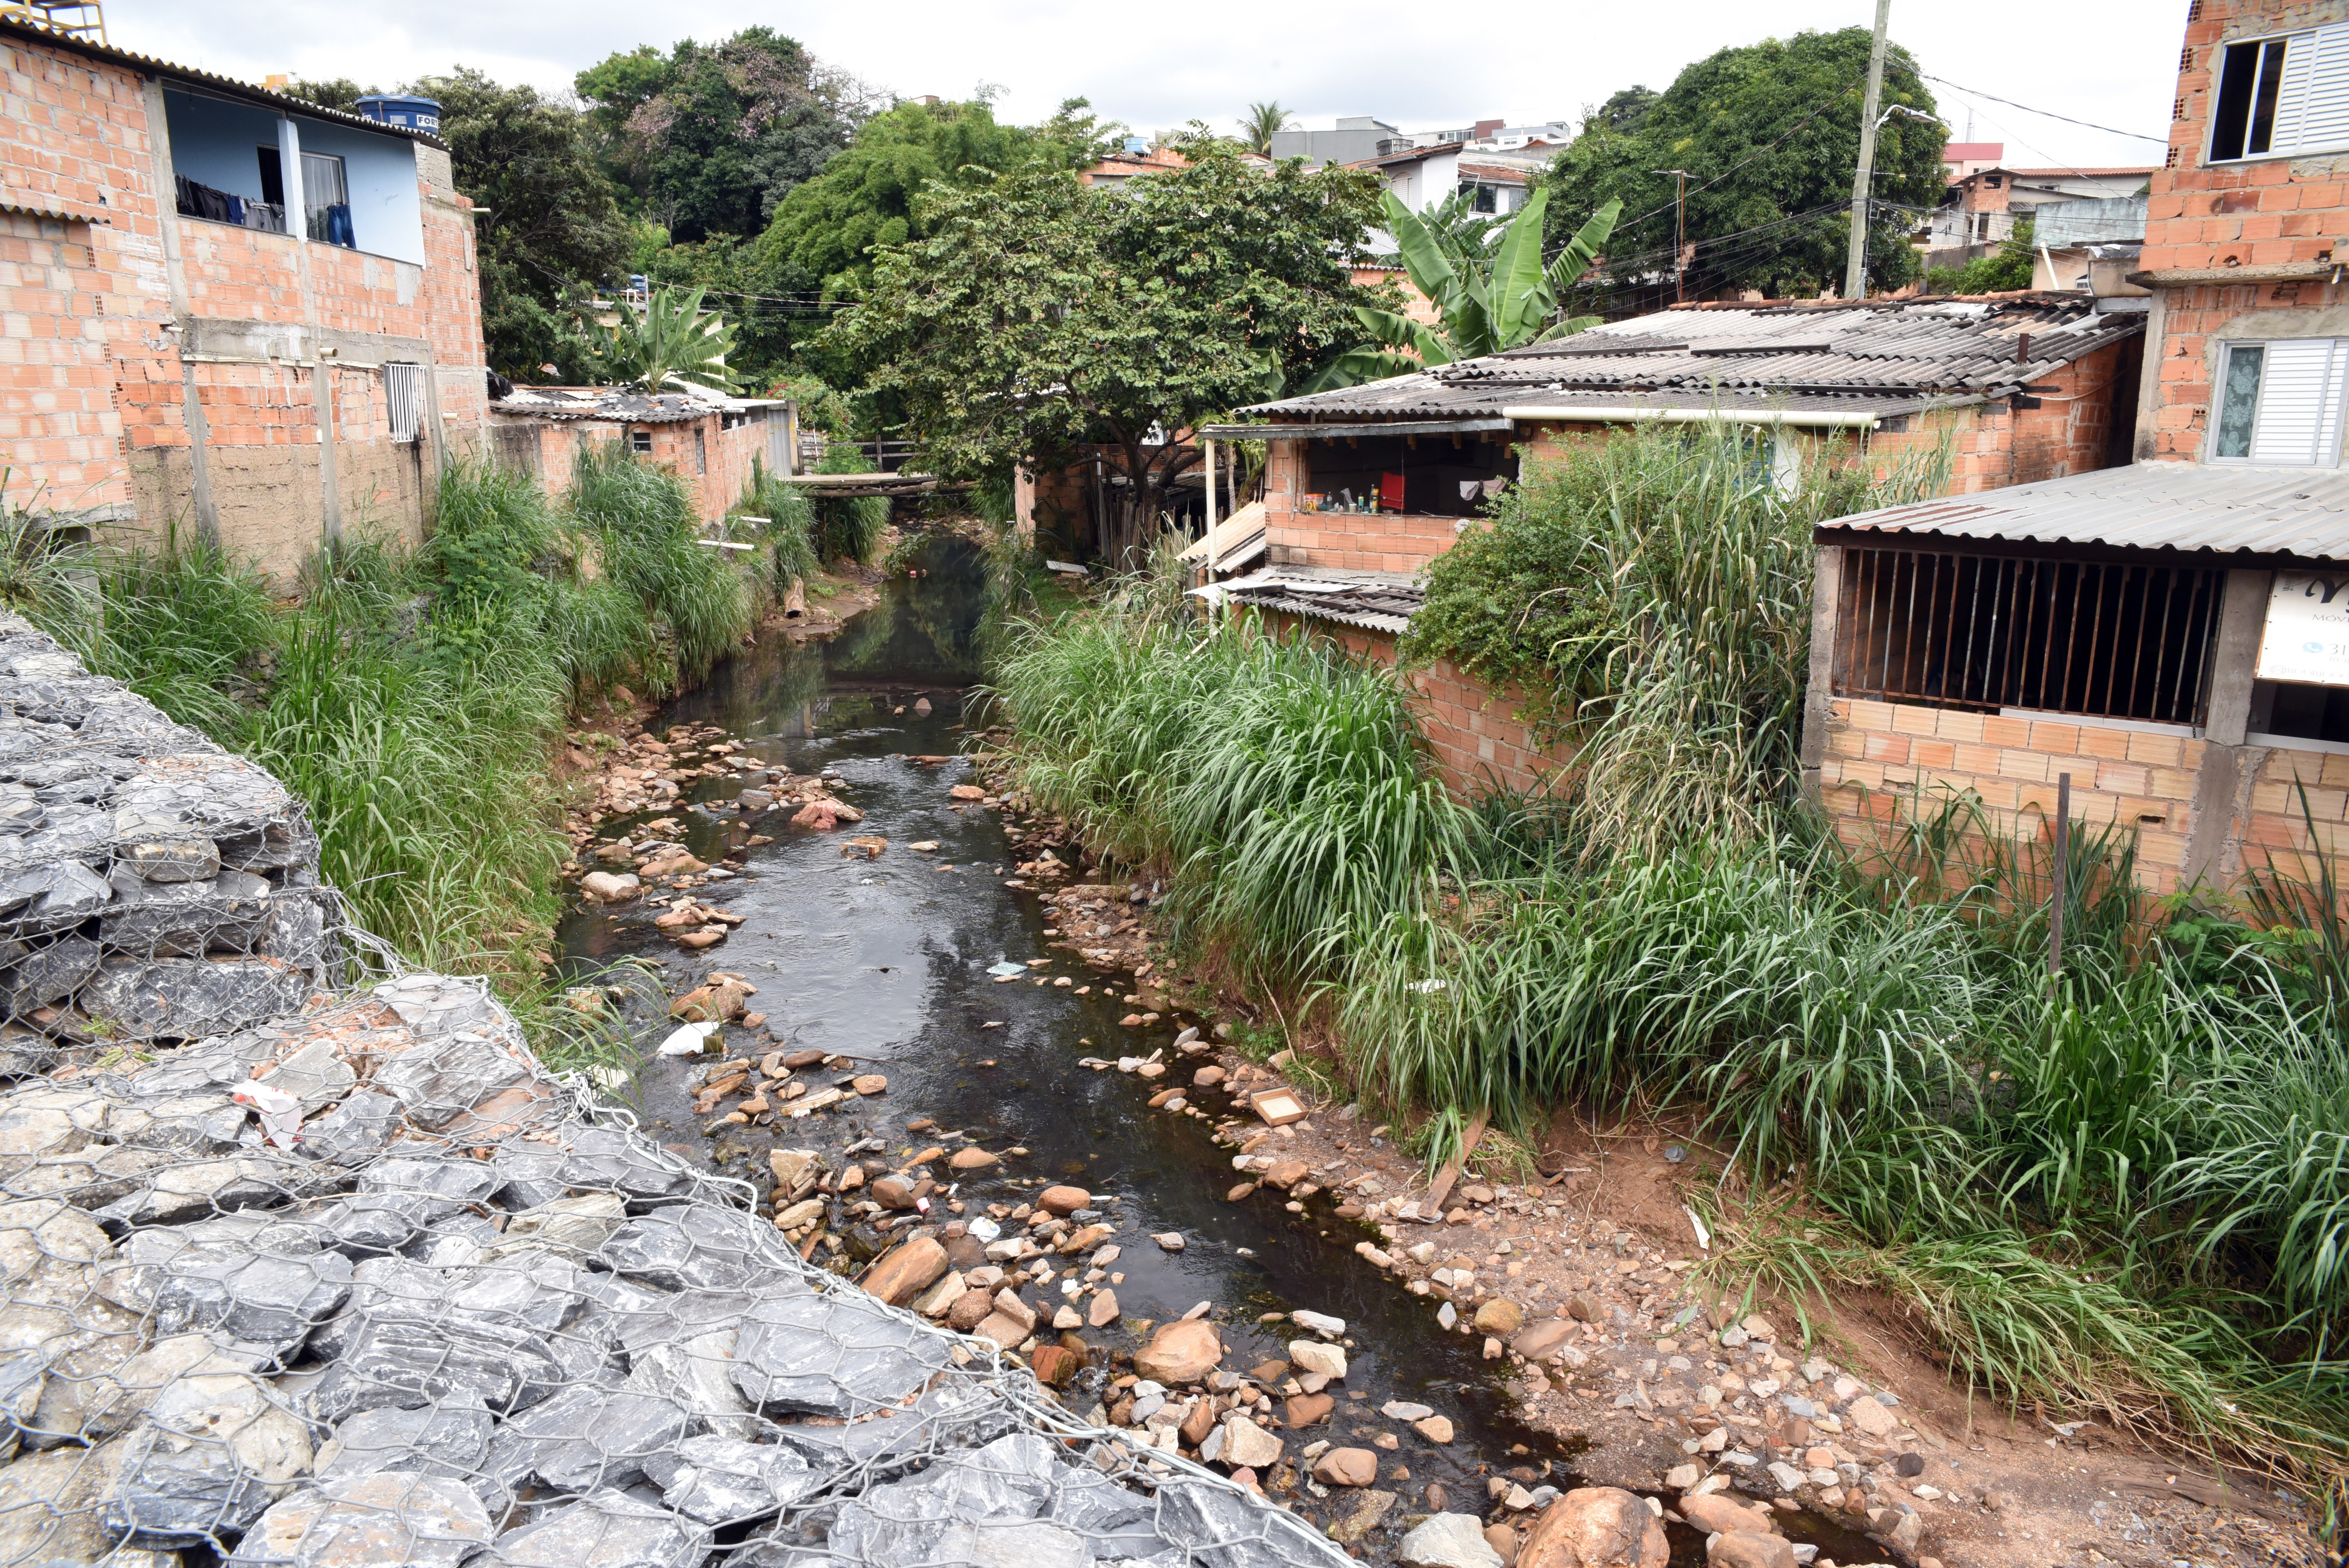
2148	506
1375	600
1889	357
148	66
33	205
605	403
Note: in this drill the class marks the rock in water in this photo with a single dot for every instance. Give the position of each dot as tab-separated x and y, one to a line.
1449	1541
1596	1527
1064	1200
1347	1467
1180	1352
905	1271
1750	1549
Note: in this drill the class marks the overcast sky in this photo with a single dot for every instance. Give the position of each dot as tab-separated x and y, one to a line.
1413	64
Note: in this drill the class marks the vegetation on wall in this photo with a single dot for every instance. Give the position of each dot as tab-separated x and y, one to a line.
2127	1189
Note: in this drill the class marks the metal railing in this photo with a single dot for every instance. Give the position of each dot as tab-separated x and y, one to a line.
2122	640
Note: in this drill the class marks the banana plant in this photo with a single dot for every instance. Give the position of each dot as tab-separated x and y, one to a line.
674	340
1485	306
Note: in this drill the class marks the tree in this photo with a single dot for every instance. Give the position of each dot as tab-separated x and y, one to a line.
1489	299
1627	110
673	340
825	229
1768	134
1042	315
710	138
2011	266
341	93
553	231
1262	122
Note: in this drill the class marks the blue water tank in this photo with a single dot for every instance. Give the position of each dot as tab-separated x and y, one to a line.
408	113
1137	145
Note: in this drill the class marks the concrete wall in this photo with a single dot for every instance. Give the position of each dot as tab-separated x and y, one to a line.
159	372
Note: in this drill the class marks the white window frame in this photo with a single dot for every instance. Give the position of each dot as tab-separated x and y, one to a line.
2324	449
403	395
2307	51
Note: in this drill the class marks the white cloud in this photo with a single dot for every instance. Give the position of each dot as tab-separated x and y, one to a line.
1410	63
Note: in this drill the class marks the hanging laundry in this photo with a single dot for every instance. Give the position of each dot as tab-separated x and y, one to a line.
338	227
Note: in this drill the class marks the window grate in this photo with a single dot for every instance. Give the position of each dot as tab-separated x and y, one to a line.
2120	640
403	395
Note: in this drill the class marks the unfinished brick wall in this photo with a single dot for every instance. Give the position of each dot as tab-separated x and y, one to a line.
113	318
77	292
1474	736
2273	220
1887	759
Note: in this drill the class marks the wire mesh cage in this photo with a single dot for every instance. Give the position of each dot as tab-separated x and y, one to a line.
308	1261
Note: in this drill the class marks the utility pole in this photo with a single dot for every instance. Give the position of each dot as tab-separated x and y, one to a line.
1679	233
1854	270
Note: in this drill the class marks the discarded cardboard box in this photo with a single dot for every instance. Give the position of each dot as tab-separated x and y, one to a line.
1278	1107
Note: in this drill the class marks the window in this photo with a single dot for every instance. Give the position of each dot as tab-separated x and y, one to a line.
327	200
403	395
700	451
2099	639
2280	402
2282	96
640	441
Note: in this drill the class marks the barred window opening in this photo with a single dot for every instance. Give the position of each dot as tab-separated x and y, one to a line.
2122	640
403	395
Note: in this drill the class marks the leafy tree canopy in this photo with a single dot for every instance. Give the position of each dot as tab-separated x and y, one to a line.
710	138
1769	135
1041	313
824	231
554	231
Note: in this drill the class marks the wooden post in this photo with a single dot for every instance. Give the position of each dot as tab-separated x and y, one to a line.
2063	873
1209	449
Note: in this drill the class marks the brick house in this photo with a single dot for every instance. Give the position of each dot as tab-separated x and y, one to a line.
1365	485
2163	633
705	438
225	308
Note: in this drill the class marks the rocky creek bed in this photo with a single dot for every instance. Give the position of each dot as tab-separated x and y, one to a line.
951	1073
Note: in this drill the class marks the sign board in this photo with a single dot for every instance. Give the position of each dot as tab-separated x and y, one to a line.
2307	636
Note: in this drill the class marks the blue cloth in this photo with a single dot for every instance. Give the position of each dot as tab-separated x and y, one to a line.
338	227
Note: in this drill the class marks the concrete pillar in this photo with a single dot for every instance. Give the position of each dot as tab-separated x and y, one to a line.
321	384
1818	694
175	278
2222	784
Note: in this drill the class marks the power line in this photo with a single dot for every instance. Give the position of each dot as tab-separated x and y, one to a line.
2048	113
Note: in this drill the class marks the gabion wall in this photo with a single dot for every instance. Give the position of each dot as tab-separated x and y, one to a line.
307	1261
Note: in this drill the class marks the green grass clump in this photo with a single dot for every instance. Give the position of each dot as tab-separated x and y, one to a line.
413	699
848	528
1281	779
789	532
641	522
2125	1188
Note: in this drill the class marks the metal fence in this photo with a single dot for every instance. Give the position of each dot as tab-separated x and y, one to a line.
2122	640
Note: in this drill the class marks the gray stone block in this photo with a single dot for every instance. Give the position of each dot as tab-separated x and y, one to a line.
840	1354
185	998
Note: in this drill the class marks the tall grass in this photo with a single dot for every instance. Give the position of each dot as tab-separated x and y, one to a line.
1650	597
641	519
413	699
848	528
1282	780
789	529
2126	1187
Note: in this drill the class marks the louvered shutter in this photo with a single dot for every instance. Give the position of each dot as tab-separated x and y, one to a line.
2301	392
2313	99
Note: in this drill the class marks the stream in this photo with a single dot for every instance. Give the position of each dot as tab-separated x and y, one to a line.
886	961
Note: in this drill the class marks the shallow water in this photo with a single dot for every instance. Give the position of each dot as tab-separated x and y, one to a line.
885	961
